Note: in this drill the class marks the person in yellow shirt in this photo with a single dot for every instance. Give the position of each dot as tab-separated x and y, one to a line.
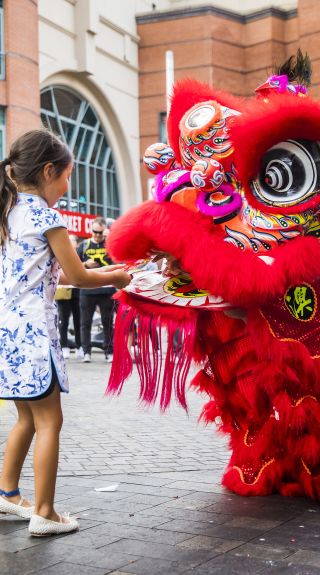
94	255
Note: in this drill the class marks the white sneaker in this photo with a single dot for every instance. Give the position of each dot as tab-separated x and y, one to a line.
66	352
109	357
42	527
9	508
86	358
79	353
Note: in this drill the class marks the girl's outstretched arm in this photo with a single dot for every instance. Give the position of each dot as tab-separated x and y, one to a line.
74	272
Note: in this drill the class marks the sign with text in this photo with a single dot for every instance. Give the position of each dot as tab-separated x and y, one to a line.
78	224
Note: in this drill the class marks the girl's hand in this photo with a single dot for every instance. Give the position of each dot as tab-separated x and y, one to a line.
157	255
91	264
172	267
113	268
121	279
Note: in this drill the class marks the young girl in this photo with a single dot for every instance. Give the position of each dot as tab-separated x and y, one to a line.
33	242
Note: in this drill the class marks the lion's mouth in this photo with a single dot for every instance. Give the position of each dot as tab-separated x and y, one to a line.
219	204
222	203
217	199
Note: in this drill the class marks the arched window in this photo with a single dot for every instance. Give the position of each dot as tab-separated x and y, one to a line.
93	188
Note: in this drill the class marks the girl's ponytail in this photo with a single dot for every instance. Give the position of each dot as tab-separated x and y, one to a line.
8	199
27	158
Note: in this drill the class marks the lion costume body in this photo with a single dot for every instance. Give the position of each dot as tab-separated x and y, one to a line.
236	202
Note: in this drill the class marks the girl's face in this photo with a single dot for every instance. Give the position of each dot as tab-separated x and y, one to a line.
53	187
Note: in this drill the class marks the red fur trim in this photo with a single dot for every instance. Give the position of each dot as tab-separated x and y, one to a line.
261	126
291	489
186	94
310	483
220	269
266	484
308	447
203	383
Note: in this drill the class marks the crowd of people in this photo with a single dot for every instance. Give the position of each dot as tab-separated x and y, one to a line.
81	304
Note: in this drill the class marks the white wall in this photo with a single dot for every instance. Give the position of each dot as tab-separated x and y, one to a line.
92	46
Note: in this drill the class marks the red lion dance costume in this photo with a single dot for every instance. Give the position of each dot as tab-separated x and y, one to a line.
236	202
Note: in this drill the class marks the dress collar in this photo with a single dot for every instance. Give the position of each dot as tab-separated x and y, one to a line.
31	199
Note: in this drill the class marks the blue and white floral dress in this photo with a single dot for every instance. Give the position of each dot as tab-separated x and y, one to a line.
29	273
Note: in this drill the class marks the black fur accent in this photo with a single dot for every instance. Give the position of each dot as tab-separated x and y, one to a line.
298	69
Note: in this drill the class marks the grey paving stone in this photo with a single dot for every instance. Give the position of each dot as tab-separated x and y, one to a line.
161	491
89	538
147	499
124	518
124	505
197	486
170	513
140	479
203	528
17	564
188	558
8	525
266	552
145	534
156	567
71	569
256	523
210	543
291	537
256	509
229	565
307	558
18	542
81	555
287	568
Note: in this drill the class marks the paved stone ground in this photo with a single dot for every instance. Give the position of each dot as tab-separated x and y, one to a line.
169	514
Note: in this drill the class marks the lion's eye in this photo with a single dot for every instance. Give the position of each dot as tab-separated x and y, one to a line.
289	174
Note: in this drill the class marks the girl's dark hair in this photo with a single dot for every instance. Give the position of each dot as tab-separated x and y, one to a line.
27	157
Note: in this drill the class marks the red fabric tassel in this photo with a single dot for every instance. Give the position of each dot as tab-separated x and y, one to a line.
161	371
122	361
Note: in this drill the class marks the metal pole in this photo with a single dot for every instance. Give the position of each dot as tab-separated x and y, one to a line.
169	77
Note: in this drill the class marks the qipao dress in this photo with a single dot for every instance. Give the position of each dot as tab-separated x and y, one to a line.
29	343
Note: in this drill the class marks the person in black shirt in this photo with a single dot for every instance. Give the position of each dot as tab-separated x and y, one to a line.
67	307
93	253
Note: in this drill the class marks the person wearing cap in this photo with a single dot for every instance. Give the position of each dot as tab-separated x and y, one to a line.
93	253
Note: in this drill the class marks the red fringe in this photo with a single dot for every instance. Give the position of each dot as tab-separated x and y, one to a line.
161	371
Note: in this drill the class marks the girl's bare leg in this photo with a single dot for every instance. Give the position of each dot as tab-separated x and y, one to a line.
47	417
17	447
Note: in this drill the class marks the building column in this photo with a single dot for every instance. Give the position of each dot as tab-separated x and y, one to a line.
21	83
309	33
